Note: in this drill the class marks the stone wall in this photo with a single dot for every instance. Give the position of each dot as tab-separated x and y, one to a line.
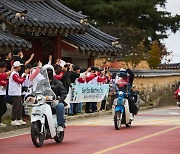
156	90
103	62
158	82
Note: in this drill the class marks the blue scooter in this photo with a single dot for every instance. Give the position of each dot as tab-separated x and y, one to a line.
121	110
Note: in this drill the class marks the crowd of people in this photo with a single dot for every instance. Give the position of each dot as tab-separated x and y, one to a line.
16	80
14	72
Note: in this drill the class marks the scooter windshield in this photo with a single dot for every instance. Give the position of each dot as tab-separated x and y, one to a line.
41	84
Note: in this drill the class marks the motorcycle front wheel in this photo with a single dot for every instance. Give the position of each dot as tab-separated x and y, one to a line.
117	120
59	137
36	135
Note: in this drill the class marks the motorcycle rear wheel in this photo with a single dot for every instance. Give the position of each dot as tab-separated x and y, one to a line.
36	135
117	120
59	137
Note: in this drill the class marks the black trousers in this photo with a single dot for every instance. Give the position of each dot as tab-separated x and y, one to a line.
87	107
3	107
17	108
132	106
74	108
94	106
103	105
90	106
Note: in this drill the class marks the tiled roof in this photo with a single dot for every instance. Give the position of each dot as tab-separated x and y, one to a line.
95	40
13	41
51	14
169	66
42	14
67	11
101	35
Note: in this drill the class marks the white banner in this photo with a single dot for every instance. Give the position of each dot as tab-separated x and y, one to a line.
87	93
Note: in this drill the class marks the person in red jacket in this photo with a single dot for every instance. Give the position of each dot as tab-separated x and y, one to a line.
63	73
101	76
91	79
3	84
59	72
177	91
15	90
91	75
77	77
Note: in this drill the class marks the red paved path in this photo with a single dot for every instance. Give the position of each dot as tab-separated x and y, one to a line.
90	139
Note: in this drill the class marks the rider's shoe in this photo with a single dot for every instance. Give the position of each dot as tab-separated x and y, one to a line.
60	129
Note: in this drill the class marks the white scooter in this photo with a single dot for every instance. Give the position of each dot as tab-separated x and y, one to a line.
43	121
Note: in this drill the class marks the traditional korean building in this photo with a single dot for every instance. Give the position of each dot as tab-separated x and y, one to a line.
10	40
47	27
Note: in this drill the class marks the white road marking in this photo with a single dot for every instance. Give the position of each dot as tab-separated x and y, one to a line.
174	113
14	135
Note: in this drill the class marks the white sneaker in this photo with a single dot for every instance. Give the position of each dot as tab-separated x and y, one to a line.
15	123
2	125
22	122
60	129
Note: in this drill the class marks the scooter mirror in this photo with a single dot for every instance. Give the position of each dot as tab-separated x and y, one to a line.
133	86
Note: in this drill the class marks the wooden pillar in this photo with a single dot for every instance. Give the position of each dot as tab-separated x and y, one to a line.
57	48
91	61
38	50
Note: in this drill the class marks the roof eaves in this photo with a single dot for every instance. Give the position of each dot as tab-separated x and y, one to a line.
101	35
12	40
9	10
65	10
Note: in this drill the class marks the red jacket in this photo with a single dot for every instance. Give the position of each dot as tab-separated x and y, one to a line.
122	82
81	80
90	77
176	93
18	79
3	79
101	79
3	76
59	76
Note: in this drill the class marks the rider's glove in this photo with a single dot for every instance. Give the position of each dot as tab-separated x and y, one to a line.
54	103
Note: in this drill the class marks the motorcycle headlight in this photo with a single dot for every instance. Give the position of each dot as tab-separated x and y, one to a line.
29	100
38	98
